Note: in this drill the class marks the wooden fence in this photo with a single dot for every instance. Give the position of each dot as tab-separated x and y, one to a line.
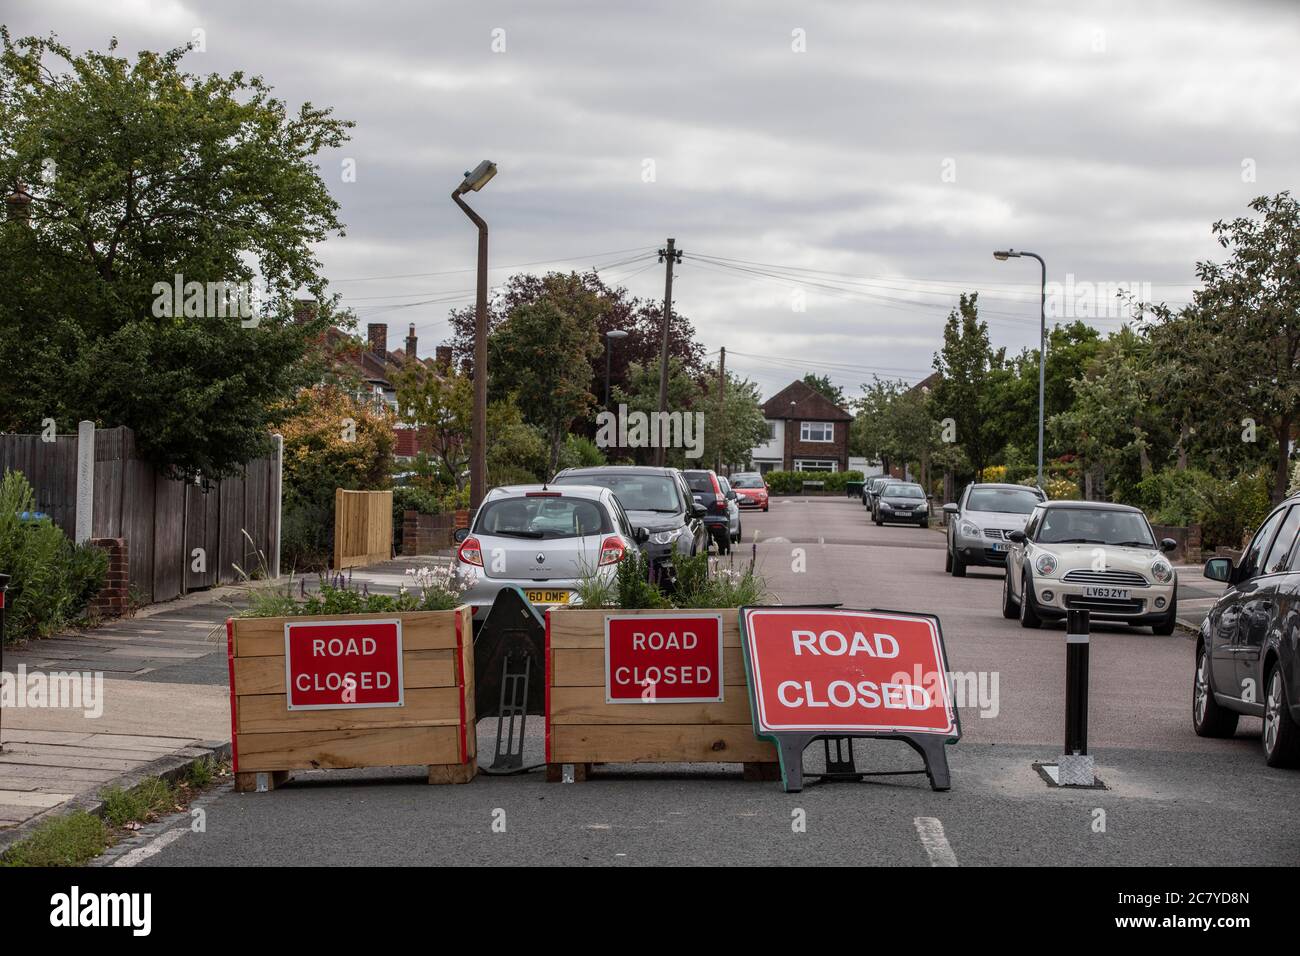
363	528
162	520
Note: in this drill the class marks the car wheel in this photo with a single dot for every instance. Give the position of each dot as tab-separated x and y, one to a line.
740	533
1028	613
924	524
958	566
1209	717
1009	609
1281	734
764	507
947	560
1166	625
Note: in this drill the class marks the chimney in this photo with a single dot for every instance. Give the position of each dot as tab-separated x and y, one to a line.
467	367
377	338
410	344
443	353
18	205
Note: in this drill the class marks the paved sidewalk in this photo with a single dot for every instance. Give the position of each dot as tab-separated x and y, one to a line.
156	693
152	691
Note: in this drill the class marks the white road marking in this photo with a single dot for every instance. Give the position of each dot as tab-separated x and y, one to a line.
930	830
153	847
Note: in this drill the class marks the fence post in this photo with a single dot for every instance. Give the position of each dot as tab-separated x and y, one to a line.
277	497
85	481
4	592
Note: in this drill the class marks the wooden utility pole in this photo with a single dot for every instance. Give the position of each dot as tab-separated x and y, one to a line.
672	256
722	404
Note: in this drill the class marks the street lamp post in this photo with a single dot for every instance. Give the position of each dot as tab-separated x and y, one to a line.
475	180
610	336
1004	255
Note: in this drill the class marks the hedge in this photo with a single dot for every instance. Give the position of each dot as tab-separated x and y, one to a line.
791	482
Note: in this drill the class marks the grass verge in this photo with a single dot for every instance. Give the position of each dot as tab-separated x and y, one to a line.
78	837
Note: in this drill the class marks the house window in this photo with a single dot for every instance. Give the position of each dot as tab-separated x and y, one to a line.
771	430
816	464
817	431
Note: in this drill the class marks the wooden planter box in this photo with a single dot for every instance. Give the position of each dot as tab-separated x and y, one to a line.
583	729
433	726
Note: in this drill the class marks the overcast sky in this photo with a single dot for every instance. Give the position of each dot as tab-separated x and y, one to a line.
891	147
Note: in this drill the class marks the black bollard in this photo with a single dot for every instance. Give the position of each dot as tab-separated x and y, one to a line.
1076	682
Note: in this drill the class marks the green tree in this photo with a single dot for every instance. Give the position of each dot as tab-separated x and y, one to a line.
441	404
1233	354
733	426
969	369
641	394
138	172
544	351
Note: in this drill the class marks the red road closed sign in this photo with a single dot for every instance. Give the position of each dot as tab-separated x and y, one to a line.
332	664
855	672
663	659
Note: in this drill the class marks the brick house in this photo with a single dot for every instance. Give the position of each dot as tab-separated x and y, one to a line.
808	432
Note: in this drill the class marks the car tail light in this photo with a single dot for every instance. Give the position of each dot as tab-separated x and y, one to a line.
611	551
543	494
719	506
471	552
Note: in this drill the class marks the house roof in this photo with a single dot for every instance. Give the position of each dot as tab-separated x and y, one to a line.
809	405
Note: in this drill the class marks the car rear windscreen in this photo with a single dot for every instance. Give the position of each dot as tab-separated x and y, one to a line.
1005	500
699	482
634	492
542	517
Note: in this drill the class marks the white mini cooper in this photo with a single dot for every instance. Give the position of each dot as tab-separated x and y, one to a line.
1094	556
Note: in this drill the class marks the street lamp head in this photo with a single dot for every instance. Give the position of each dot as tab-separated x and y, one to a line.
616	334
478	177
1005	254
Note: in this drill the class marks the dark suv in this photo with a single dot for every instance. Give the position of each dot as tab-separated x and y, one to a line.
709	491
1246	650
656	499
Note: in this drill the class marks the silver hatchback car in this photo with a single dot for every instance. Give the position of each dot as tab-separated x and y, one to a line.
543	540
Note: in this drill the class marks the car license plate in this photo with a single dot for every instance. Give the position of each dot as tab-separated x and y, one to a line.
1000	546
1118	594
547	597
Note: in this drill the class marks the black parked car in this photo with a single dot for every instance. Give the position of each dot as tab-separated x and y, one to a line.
656	499
721	509
1247	647
901	501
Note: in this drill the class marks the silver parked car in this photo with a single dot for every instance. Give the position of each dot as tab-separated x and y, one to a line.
980	520
542	540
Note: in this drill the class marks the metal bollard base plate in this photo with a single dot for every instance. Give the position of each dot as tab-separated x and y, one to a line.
1076	770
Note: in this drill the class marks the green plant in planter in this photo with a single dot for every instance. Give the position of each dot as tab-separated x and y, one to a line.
635	584
710	583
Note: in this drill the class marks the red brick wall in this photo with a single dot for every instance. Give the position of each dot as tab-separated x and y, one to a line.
113	598
425	534
794	448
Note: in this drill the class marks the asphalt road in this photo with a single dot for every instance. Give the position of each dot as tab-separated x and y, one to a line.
1170	797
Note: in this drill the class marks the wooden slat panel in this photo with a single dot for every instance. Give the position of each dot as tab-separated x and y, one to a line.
467	672
265	675
576	628
424	706
363	527
168	539
585	667
586	705
421	631
335	749
661	743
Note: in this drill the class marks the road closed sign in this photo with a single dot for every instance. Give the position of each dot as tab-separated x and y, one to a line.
333	664
845	672
663	659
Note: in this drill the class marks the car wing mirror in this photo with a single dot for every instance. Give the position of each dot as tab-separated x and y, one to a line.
950	508
1017	536
640	535
698	511
1219	569
1168	544
460	534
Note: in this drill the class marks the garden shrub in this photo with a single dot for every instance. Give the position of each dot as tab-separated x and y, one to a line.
51	579
791	482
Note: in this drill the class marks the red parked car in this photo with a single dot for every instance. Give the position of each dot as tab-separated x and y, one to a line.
751	490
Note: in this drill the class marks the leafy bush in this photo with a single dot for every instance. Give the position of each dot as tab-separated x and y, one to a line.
791	482
699	581
51	579
1227	509
580	452
430	589
635	585
1057	488
716	585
